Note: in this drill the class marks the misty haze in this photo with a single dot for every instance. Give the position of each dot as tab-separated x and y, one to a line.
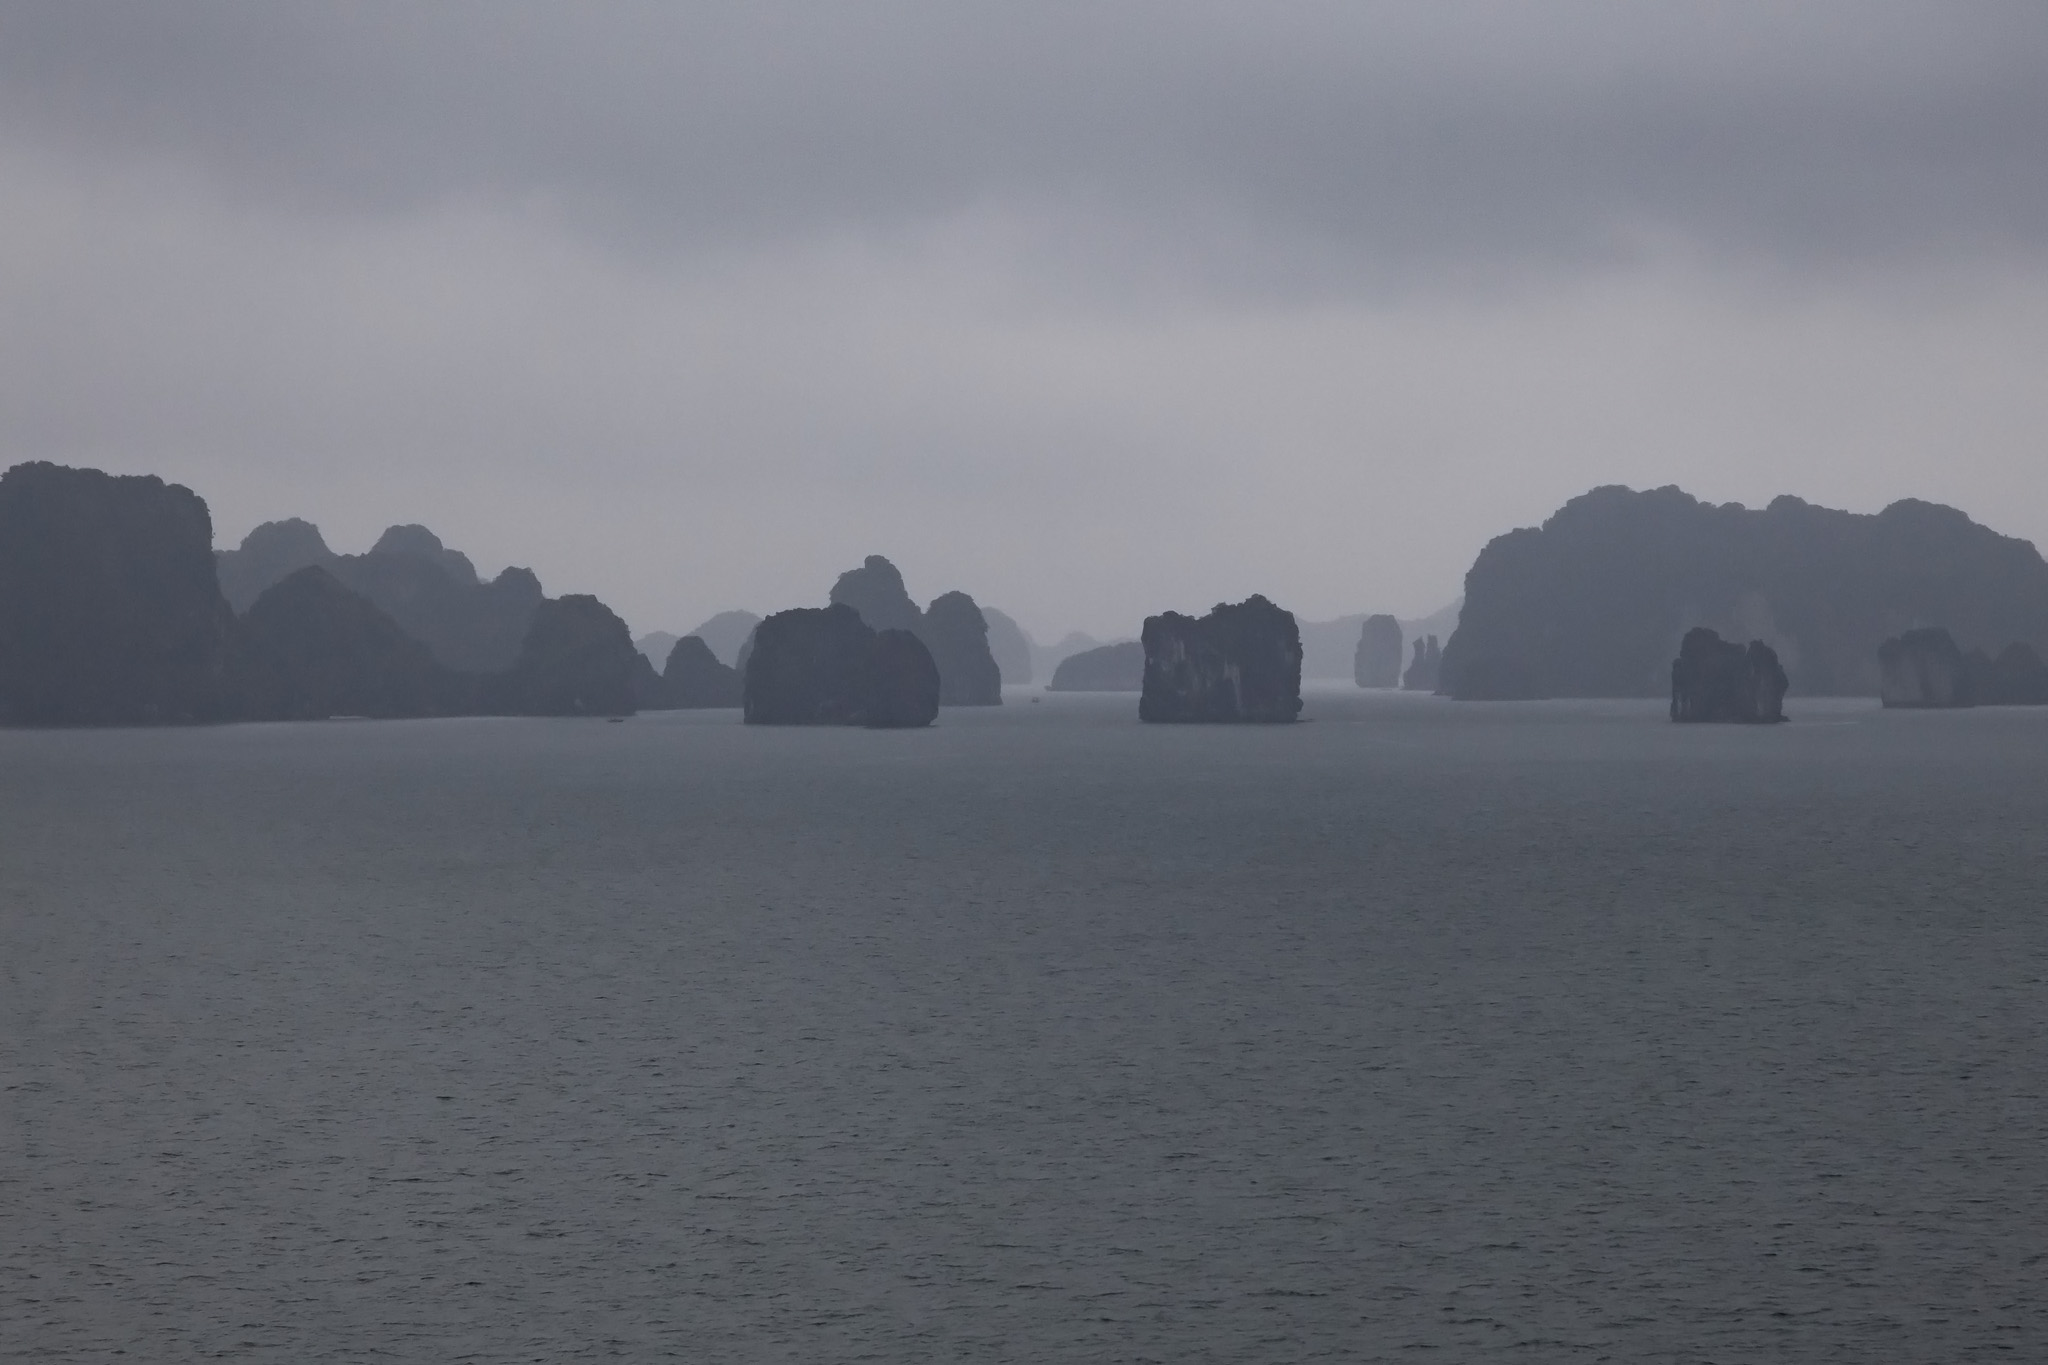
1094	682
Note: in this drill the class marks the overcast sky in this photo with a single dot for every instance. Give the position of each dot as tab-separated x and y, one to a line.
1089	309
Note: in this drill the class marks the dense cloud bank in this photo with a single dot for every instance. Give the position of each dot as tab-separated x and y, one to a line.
1335	290
1354	133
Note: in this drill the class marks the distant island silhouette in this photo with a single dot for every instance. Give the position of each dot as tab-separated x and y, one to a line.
1597	600
1106	668
116	610
952	628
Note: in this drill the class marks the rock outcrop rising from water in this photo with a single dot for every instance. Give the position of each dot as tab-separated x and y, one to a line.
695	679
826	666
901	683
1922	669
1595	601
1106	668
1241	662
432	592
808	666
310	648
577	659
110	613
1009	646
956	633
954	630
876	591
1377	662
1426	669
1718	680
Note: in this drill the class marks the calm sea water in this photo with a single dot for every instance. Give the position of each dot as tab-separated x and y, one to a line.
1538	1032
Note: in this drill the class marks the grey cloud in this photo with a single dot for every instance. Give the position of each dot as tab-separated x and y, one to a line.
1282	144
694	305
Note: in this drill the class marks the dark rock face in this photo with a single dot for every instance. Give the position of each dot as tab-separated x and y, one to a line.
1425	670
646	687
808	667
1594	602
1377	662
577	660
110	611
695	678
824	666
1241	662
1009	646
956	633
432	592
1718	680
901	683
1107	668
310	649
876	591
1922	668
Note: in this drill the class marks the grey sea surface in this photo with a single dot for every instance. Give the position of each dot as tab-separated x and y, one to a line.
1546	1032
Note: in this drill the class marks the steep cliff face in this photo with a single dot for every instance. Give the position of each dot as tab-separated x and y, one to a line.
956	633
1241	662
1106	668
110	612
310	648
901	683
1595	601
1922	669
577	659
1377	661
1718	680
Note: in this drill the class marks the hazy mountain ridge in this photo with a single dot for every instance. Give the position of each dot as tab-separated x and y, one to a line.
433	592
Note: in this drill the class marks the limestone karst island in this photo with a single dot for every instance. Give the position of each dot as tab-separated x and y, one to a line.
116	609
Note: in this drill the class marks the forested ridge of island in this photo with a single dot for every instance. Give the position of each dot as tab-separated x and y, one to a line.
115	609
